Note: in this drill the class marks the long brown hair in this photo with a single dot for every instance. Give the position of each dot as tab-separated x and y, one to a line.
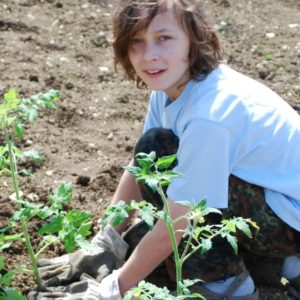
205	50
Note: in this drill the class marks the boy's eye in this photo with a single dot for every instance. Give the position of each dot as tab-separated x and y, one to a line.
135	41
164	37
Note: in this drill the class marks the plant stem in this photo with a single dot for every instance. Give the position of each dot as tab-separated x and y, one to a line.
30	251
12	164
171	230
44	248
188	243
216	233
14	176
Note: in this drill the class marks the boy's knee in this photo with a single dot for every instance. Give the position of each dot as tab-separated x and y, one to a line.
162	141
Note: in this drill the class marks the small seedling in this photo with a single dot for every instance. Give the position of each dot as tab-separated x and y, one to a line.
70	227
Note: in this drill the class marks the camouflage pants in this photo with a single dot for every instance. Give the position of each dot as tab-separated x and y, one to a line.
263	255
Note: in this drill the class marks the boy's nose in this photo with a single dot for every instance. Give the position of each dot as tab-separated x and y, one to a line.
150	52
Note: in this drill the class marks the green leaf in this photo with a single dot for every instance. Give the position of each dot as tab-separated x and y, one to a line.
145	160
33	154
12	294
165	162
85	229
28	211
206	245
54	226
135	171
230	225
77	218
9	104
147	214
46	212
152	182
19	130
70	242
10	96
61	195
233	242
29	107
75	226
116	213
244	227
7	278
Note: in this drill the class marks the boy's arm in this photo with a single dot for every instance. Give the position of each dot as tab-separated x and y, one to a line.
127	190
153	249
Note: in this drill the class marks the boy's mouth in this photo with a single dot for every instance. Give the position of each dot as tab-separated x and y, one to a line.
154	72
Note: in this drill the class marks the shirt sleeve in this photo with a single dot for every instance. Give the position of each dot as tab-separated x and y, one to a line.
152	118
205	158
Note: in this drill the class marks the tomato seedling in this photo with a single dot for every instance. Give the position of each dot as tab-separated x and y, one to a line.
154	172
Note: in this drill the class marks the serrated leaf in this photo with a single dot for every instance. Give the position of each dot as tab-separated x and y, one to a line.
46	212
147	214
12	294
135	171
85	229
206	245
244	227
209	210
145	160
69	242
7	278
230	225
253	224
33	154
10	95
61	195
116	213
165	162
26	212
54	226
151	182
19	130
233	242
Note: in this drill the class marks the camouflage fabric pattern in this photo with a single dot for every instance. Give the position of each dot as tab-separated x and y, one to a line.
265	251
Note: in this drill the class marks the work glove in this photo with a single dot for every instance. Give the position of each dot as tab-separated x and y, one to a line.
87	288
107	254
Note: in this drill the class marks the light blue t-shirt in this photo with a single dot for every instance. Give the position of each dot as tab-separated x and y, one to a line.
228	124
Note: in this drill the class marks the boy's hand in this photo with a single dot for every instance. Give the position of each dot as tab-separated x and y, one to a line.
107	254
86	288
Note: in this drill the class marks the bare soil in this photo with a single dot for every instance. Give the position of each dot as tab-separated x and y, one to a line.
64	44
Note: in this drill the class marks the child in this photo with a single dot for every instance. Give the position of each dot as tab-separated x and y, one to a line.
239	143
239	147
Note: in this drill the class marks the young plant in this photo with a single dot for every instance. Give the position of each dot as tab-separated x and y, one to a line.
70	227
198	236
14	113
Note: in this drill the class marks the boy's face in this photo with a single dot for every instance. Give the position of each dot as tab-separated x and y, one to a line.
159	54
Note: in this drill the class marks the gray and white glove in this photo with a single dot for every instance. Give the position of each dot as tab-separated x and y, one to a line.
87	288
107	254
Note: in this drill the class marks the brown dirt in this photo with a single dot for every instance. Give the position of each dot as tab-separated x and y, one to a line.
89	138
